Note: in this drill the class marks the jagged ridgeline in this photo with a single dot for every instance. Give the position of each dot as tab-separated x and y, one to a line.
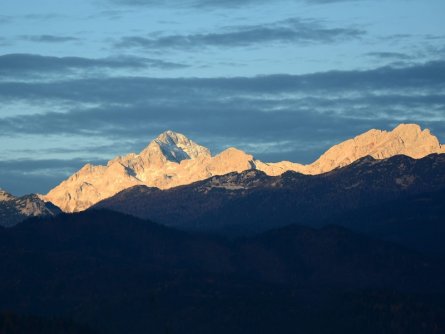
172	160
14	209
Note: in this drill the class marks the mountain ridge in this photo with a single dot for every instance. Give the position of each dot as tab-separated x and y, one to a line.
252	201
14	209
172	160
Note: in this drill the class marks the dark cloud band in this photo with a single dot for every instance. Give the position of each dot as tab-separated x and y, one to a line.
275	117
128	106
49	38
24	64
288	31
213	3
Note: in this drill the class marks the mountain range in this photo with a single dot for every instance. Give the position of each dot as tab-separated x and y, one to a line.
251	201
175	240
172	160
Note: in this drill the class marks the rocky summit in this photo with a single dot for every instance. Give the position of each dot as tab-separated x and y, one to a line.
14	209
172	160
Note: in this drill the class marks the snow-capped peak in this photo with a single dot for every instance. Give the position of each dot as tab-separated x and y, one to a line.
177	147
172	160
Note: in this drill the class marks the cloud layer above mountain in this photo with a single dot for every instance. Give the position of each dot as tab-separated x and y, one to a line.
288	31
275	117
214	3
88	80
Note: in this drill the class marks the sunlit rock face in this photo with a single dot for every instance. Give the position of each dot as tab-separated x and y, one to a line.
406	139
5	196
168	161
172	160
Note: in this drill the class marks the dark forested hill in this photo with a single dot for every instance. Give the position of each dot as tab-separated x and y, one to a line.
116	273
416	221
251	202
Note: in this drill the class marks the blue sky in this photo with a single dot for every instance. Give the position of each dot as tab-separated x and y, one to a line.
87	80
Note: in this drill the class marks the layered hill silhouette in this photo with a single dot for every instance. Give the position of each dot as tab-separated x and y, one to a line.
115	273
175	240
172	160
251	201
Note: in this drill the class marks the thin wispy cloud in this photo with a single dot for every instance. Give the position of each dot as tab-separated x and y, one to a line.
389	55
4	42
281	80
126	108
270	111
9	19
287	31
44	16
19	174
216	3
28	64
5	19
49	38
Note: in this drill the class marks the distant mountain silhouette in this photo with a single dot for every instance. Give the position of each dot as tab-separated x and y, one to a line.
14	210
119	274
251	201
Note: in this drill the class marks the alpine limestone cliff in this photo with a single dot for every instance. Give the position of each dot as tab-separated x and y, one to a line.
172	160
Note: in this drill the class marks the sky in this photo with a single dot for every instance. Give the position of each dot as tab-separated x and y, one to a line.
83	81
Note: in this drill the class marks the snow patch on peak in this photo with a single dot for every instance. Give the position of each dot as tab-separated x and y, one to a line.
171	136
172	160
176	147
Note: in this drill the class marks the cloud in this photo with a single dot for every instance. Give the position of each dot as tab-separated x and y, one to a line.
25	64
131	90
5	19
275	117
49	38
4	42
9	19
287	31
44	17
130	106
20	184
389	55
111	14
213	3
17	175
27	166
188	3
